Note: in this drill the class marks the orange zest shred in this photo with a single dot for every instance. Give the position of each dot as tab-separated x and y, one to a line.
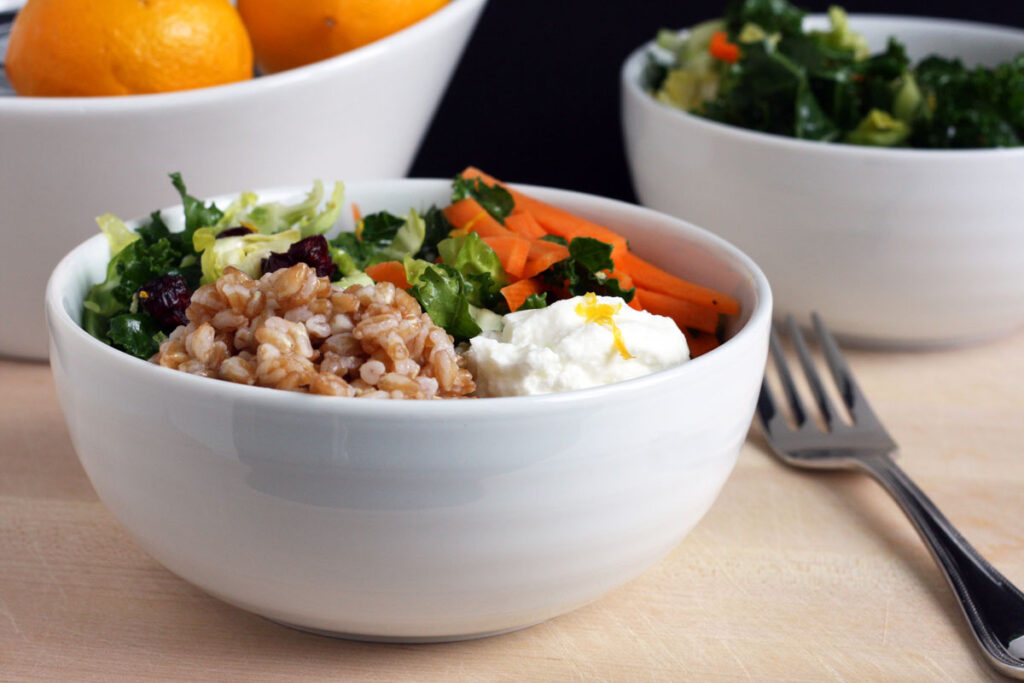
603	314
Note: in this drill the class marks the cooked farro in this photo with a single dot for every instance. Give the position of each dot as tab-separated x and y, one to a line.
293	330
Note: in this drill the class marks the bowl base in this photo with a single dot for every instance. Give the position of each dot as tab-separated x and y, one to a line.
370	638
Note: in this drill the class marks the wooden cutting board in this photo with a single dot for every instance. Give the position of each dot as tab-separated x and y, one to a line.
791	576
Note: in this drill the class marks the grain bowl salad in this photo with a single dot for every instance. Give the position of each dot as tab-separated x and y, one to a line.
494	294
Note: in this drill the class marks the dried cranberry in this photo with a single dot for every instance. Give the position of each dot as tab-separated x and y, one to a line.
277	261
166	298
234	232
313	251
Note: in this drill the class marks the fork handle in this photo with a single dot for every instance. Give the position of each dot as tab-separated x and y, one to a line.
993	606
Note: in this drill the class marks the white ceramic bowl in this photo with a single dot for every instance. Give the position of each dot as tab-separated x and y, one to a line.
67	160
904	248
415	520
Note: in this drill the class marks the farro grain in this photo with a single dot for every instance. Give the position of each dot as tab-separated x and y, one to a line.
292	330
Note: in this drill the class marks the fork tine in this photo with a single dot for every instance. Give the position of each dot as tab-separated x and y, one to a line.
828	411
852	396
782	368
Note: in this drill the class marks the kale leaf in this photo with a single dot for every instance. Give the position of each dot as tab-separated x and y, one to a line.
379	229
197	214
978	107
132	267
437	228
534	301
827	86
135	333
495	199
586	270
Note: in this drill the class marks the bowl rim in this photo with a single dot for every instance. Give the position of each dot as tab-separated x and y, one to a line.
631	88
438	21
60	323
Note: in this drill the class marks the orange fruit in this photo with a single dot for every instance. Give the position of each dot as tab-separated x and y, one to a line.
289	33
126	47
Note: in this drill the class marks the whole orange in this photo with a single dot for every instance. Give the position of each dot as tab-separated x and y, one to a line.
289	33
126	47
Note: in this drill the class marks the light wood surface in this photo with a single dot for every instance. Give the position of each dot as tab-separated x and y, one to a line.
792	575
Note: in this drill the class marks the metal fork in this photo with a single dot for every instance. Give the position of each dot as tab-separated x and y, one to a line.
993	606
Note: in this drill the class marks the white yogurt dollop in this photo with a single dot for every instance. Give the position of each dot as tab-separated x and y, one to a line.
561	348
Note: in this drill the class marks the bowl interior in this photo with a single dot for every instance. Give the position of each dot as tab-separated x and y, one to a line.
677	246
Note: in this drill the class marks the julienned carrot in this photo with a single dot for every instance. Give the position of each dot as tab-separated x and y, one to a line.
721	48
525	225
389	271
357	215
626	282
684	313
555	220
700	342
518	292
467	214
543	255
538	247
651	277
644	274
511	251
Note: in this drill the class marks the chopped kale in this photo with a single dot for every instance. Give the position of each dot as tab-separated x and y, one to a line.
496	200
586	270
827	86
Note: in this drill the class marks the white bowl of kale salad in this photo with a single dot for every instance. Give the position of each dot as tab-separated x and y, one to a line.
518	409
872	165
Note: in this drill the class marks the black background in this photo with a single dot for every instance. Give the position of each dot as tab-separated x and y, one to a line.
535	98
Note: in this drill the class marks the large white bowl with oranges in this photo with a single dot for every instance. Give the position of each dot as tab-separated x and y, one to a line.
67	159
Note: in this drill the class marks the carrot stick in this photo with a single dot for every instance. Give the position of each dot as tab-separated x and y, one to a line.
555	220
389	271
651	277
525	225
518	292
467	214
721	48
357	215
626	282
644	274
684	313
700	342
543	255
511	251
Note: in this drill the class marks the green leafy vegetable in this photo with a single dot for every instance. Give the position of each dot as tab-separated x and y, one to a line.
197	214
378	229
495	199
407	240
135	333
879	129
436	228
351	253
133	266
586	271
444	293
244	252
470	255
379	237
274	217
534	301
826	86
111	310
